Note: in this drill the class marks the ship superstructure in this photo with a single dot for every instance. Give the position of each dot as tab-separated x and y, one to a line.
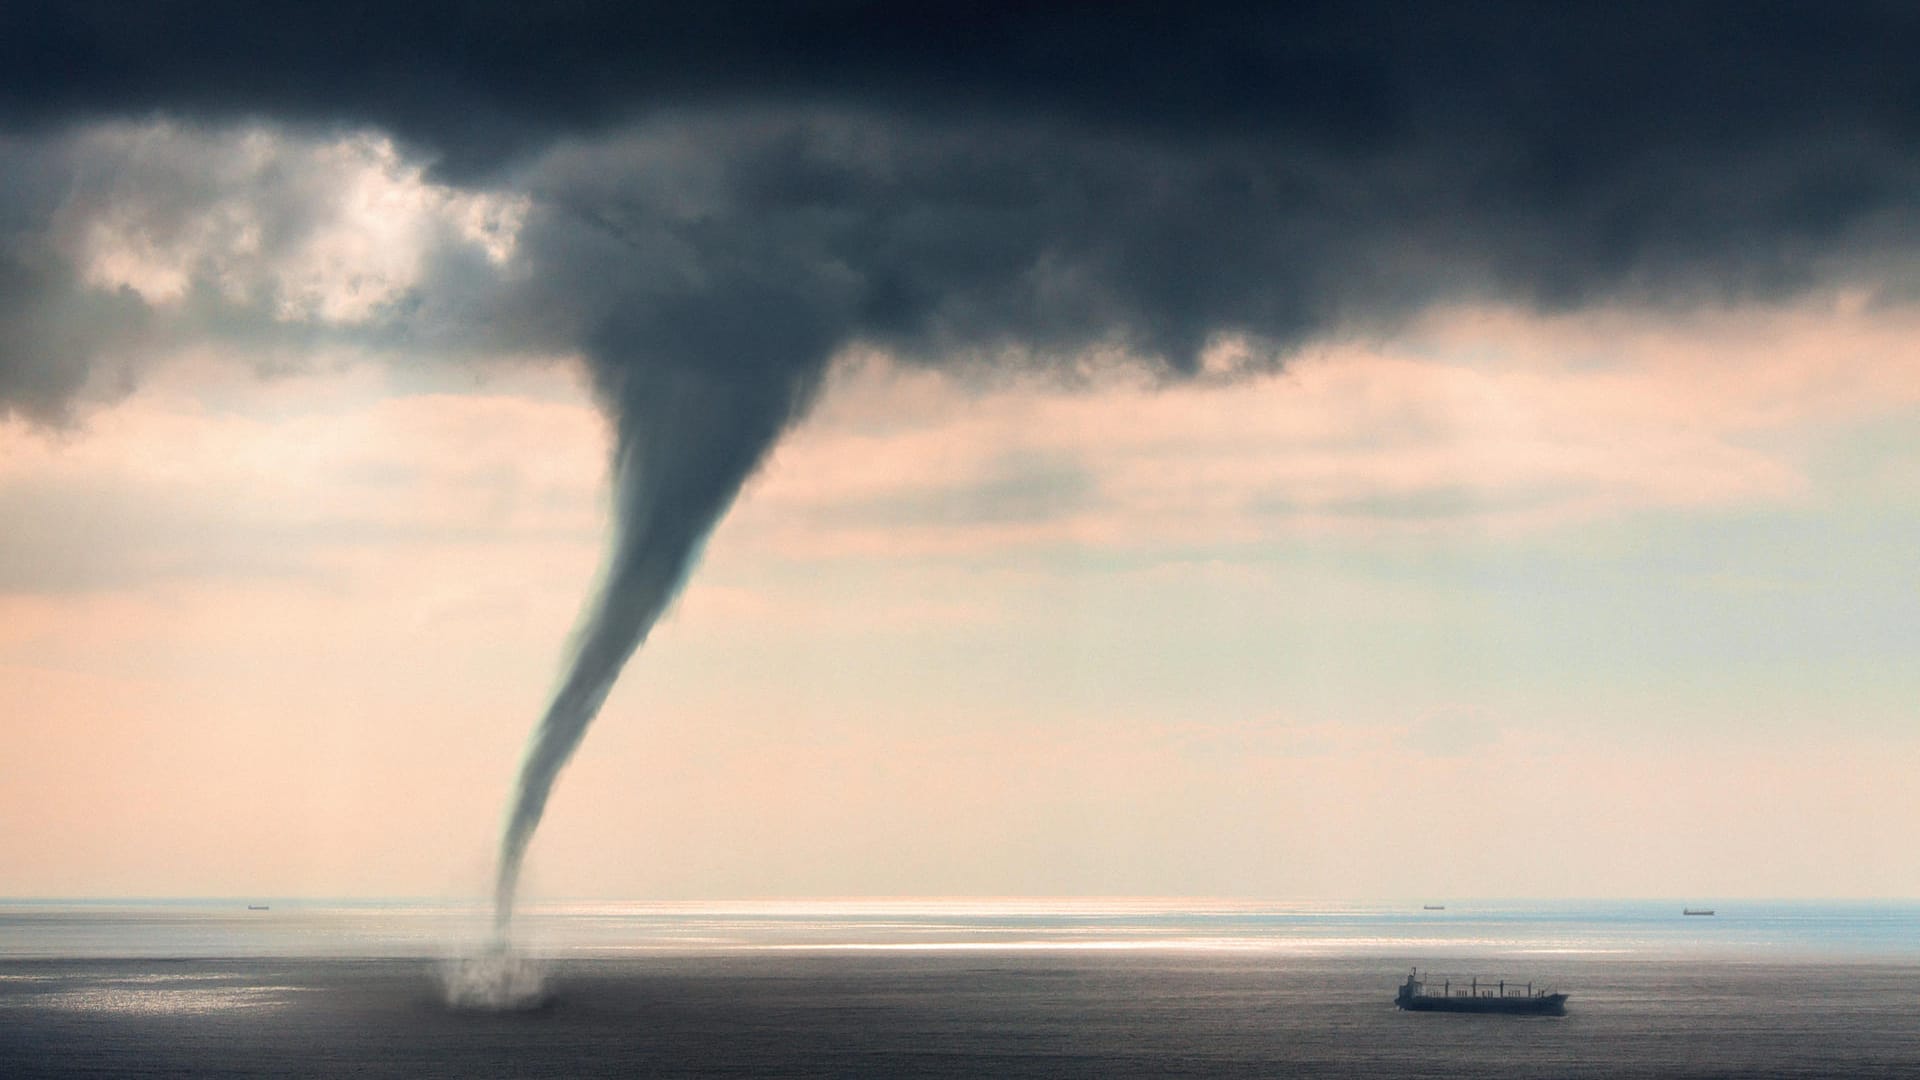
1473	996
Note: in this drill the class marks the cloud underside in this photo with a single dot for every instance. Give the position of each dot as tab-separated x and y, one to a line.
749	193
756	244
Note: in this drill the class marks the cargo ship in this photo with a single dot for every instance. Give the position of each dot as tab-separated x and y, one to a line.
1495	997
1696	911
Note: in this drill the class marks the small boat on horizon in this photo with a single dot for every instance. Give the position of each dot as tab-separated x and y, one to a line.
1696	911
1433	907
256	907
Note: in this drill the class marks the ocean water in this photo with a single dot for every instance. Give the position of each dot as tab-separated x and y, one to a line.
957	989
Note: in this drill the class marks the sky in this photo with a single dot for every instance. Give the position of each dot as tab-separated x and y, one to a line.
1360	452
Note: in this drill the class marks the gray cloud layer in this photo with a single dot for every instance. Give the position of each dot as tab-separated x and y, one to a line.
934	178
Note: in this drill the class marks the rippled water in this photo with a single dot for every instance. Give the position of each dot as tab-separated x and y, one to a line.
950	988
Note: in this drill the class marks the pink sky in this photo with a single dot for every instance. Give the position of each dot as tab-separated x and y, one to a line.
1502	605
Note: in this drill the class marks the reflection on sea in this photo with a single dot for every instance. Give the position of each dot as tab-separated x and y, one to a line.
438	929
148	994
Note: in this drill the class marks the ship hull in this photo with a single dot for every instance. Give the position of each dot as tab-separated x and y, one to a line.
1540	1005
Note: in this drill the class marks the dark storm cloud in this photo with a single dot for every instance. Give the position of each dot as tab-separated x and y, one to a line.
720	236
937	177
1577	84
480	80
55	333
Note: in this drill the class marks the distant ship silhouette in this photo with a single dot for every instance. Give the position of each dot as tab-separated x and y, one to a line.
1496	997
1696	911
256	907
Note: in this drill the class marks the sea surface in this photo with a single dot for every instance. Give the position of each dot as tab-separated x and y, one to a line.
950	988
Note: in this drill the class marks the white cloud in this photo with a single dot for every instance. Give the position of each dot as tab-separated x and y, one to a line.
331	230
